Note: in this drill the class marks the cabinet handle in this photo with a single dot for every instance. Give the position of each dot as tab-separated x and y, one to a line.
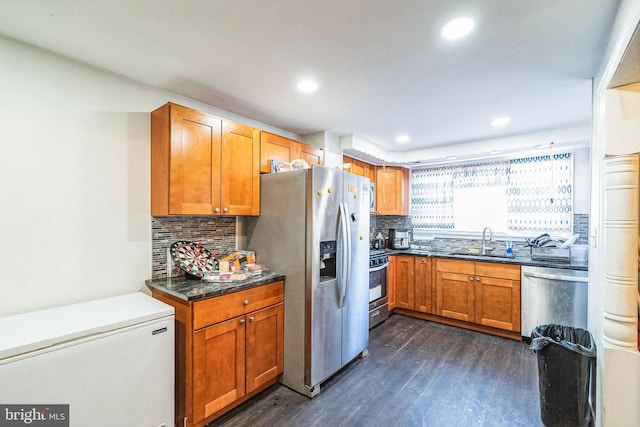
471	278
225	210
246	302
217	210
242	321
252	319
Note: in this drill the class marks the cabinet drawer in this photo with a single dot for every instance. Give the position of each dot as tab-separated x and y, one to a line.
501	271
455	266
218	309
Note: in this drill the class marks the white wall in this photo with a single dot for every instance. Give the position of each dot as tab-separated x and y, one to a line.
581	180
74	179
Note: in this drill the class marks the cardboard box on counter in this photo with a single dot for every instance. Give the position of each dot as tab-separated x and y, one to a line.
238	258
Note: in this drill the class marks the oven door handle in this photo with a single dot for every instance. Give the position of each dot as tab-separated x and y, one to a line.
378	267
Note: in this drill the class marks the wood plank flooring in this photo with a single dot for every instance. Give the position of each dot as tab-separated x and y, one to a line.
418	373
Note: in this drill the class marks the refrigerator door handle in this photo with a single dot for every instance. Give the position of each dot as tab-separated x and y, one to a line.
344	259
347	276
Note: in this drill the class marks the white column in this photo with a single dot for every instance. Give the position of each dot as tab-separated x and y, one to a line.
620	360
620	275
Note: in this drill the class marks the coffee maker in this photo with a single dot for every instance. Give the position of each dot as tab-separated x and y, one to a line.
398	238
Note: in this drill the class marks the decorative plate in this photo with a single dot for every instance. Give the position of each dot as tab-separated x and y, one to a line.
193	258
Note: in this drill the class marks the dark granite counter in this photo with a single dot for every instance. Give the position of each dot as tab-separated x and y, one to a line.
190	289
573	265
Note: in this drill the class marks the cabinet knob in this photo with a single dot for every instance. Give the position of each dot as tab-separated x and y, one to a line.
217	210
225	210
471	278
242	321
252	319
246	302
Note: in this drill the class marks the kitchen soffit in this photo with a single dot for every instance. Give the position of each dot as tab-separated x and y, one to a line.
382	67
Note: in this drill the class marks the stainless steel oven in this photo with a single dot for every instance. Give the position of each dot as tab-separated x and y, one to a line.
378	302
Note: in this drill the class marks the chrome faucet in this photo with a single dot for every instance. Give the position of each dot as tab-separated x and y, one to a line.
484	243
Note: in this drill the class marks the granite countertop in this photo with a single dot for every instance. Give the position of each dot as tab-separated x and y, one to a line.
192	289
520	260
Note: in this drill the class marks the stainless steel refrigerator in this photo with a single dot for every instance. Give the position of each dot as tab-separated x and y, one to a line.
314	228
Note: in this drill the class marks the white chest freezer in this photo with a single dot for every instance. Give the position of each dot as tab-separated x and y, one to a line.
110	360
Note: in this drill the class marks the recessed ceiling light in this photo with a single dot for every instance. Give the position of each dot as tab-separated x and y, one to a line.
307	86
402	139
450	158
495	152
543	146
457	28
500	121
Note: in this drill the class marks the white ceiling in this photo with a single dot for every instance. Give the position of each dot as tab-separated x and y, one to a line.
382	67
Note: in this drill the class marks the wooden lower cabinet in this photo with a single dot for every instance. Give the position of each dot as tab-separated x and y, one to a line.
391	282
455	292
228	348
413	283
486	294
497	289
483	296
422	285
404	275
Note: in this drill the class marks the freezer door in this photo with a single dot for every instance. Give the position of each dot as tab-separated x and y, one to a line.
355	321
324	329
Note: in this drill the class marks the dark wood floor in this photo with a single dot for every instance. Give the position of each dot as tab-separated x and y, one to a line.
418	373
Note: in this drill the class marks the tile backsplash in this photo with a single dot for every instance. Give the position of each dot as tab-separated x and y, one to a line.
382	224
218	234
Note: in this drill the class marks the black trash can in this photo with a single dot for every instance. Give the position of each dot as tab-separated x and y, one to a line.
566	366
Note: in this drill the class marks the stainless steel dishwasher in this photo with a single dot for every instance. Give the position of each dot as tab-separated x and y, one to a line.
553	295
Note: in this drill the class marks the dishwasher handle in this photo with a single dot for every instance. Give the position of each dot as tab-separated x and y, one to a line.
558	277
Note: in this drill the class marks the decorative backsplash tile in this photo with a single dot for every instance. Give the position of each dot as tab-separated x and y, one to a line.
218	234
382	224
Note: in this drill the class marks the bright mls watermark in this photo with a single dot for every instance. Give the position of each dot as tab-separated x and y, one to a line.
34	415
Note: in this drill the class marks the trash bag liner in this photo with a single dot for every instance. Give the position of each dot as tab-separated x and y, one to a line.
566	369
574	339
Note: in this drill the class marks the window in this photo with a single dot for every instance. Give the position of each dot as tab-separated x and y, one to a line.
522	196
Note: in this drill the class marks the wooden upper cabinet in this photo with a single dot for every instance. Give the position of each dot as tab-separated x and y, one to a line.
310	154
276	147
392	190
240	174
202	166
358	167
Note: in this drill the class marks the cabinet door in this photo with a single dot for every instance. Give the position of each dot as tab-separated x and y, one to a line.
240	190
404	282
422	285
356	166
310	154
391	282
392	191
194	178
455	296
218	367
498	303
265	345
275	147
